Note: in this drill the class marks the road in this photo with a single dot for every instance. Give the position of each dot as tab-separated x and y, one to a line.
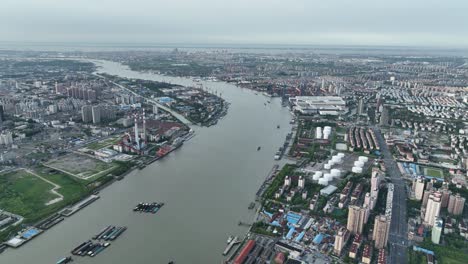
398	237
53	190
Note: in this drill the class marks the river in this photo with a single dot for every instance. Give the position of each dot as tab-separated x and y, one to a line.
207	186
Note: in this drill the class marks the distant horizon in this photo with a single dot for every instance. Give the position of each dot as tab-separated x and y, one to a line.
225	44
375	50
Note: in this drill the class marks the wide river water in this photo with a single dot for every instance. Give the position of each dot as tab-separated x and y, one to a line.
207	186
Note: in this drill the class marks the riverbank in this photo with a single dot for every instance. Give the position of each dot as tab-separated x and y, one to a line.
208	187
63	210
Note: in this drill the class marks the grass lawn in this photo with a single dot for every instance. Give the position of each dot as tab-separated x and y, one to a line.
340	214
71	188
416	257
24	194
433	172
453	251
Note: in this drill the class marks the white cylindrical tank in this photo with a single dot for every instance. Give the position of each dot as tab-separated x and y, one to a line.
336	173
327	166
359	164
364	159
357	170
322	181
328	177
341	155
336	159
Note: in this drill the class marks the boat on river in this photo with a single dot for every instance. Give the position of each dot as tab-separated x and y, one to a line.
65	260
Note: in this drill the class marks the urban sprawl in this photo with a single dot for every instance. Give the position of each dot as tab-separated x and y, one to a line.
375	166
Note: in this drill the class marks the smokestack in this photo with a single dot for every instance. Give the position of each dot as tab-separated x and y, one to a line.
144	126
136	133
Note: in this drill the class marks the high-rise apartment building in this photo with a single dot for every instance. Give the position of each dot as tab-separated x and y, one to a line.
87	114
356	219
432	208
437	230
381	230
418	188
96	111
341	239
456	204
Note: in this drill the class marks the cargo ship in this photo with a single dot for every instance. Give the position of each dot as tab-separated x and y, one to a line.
148	207
65	260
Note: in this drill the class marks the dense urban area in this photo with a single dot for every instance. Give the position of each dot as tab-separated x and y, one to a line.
374	169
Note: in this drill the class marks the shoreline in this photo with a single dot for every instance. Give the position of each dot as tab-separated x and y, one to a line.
59	215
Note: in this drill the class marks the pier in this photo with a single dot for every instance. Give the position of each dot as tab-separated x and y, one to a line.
75	208
230	245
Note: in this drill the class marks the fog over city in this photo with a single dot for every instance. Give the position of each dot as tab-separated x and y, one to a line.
362	22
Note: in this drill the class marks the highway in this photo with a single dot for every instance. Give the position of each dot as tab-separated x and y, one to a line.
398	237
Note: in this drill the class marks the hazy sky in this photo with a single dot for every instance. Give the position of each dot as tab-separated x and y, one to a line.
347	22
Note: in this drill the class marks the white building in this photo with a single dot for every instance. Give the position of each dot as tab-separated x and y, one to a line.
418	188
6	138
318	104
437	230
432	208
301	182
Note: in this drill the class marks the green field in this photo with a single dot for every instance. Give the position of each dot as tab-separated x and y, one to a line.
433	172
72	189
25	194
454	249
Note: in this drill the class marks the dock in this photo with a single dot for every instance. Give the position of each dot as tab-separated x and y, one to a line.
80	205
230	245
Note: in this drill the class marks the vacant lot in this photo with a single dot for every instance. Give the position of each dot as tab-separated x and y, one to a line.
81	166
102	144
